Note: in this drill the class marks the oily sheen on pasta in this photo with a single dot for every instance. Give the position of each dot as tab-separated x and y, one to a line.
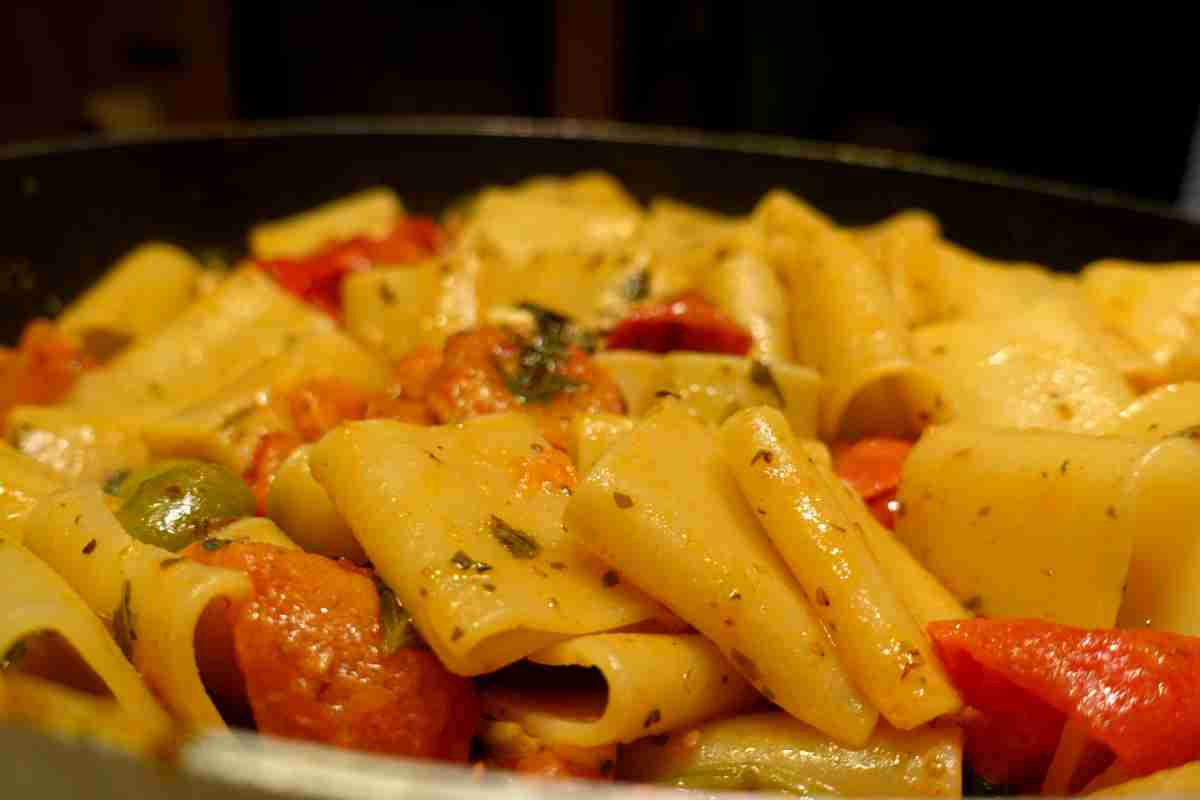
569	482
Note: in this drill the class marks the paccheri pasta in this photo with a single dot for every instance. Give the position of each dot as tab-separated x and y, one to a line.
571	485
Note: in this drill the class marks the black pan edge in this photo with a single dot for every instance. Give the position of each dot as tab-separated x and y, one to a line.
604	131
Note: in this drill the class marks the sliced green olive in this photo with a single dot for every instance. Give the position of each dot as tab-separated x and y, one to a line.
172	504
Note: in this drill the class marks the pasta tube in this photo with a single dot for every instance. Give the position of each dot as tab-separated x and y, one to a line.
464	523
372	213
818	527
663	509
652	683
23	482
1002	516
773	752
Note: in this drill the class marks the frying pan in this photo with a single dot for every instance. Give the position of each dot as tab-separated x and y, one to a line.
70	209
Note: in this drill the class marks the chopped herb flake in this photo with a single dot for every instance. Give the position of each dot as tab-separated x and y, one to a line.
464	561
761	375
765	456
89	548
14	654
396	623
622	500
517	542
653	718
112	484
387	295
666	393
214	544
637	286
456	634
122	622
611	578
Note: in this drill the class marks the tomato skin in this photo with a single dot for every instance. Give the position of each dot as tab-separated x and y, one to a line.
41	369
309	646
687	321
1136	691
317	278
470	382
873	468
270	452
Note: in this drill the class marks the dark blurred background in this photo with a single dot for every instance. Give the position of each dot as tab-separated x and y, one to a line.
1108	103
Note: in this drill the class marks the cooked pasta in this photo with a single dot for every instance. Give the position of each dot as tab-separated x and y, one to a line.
566	484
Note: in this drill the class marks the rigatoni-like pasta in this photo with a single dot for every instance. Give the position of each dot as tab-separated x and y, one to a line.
652	683
818	528
663	509
464	523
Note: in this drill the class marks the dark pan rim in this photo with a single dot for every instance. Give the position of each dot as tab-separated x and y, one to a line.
598	131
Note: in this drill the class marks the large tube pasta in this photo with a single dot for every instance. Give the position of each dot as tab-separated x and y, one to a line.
906	247
1162	589
1040	369
54	708
586	212
39	600
226	427
465	526
715	386
846	324
663	509
592	435
372	213
1160	412
747	288
922	594
1154	306
818	528
23	482
395	311
773	752
143	291
1022	523
153	598
246	321
301	507
77	446
653	683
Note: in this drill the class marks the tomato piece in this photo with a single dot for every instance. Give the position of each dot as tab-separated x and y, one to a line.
317	406
685	322
873	467
317	279
1136	691
42	369
310	646
473	379
549	763
270	452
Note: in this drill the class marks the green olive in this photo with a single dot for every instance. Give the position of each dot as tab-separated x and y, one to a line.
175	503
125	485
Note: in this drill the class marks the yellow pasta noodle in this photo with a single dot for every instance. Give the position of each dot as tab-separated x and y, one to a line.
652	683
1002	516
372	213
817	525
39	600
23	482
477	555
77	446
662	508
153	598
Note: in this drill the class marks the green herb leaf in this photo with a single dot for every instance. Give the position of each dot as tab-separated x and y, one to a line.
519	543
539	375
112	484
396	623
122	622
637	286
214	544
465	562
761	375
167	563
12	658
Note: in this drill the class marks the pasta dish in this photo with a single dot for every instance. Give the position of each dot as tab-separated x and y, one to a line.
568	485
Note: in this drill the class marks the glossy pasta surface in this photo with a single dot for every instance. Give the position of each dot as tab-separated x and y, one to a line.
567	484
